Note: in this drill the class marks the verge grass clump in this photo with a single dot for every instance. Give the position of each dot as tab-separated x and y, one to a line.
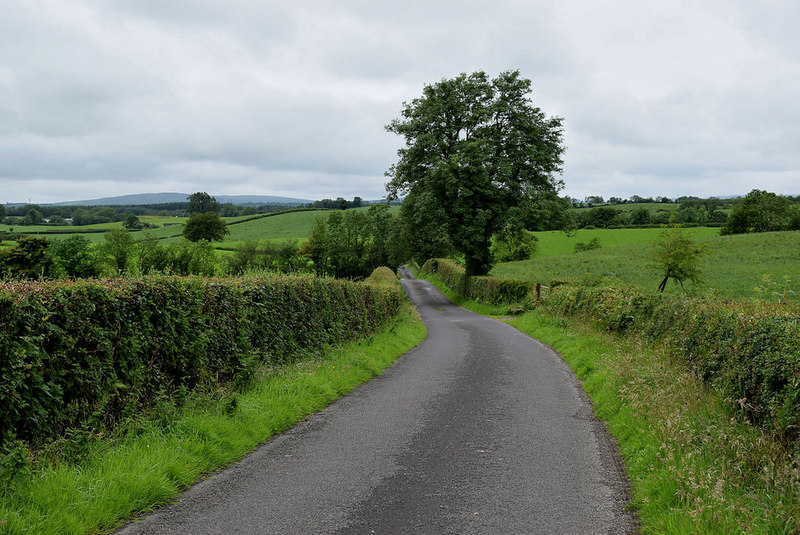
383	276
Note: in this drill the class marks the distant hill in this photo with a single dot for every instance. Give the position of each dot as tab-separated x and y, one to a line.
159	198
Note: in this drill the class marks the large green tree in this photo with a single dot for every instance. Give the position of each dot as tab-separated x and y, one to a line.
477	147
208	226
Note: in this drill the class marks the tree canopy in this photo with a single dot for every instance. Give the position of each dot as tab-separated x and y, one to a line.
762	211
351	244
205	226
476	147
202	203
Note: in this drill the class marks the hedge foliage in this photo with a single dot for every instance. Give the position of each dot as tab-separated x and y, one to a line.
88	353
492	290
749	350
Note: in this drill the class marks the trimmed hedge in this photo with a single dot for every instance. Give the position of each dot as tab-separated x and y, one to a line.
88	353
492	290
749	351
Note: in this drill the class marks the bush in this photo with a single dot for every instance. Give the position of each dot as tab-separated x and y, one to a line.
488	289
383	276
594	243
90	353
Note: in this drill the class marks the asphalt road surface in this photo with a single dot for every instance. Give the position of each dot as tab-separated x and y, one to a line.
480	429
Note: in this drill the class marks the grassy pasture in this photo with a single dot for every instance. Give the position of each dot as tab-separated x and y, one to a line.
555	242
733	265
277	227
294	225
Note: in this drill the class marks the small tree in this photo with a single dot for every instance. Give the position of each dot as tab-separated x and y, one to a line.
132	222
208	226
117	249
72	257
677	257
193	258
152	257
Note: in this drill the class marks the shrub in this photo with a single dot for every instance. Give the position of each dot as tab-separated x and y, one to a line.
382	276
594	243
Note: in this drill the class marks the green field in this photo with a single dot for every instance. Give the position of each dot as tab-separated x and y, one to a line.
295	225
733	265
277	227
555	242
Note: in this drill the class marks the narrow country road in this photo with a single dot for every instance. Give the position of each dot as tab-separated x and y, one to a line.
480	429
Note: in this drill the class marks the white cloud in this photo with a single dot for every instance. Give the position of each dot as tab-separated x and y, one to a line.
106	98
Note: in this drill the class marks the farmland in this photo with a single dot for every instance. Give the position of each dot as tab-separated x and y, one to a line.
273	227
733	265
557	243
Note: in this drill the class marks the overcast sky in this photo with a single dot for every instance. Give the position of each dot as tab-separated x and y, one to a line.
111	97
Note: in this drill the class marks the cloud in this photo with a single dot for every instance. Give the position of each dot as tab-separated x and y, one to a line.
106	98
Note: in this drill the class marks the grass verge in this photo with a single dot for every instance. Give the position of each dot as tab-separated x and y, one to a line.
163	453
693	467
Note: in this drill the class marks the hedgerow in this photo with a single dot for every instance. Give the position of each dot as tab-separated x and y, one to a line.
486	289
87	354
748	350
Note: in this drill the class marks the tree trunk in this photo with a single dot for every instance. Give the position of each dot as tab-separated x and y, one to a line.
663	284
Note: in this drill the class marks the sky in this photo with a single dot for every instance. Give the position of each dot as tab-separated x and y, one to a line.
111	97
